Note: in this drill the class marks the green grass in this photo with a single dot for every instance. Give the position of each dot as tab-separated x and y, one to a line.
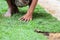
13	29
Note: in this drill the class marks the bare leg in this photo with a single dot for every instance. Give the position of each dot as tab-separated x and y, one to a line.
28	15
12	8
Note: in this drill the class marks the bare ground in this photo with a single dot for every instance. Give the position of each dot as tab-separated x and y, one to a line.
51	6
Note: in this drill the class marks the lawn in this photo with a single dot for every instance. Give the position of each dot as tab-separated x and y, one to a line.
14	29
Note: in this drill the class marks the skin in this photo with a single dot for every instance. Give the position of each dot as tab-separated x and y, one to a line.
13	9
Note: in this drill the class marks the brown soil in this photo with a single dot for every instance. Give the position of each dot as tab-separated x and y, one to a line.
54	36
50	36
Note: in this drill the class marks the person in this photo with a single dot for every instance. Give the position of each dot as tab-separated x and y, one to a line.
13	8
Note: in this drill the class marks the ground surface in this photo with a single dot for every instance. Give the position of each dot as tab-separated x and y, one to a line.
54	36
52	7
11	28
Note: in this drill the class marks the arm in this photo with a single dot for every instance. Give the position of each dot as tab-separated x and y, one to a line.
32	6
28	15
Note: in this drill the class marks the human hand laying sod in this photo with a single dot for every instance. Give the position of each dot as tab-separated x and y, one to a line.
13	4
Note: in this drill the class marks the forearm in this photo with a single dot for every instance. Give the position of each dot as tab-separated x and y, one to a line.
32	6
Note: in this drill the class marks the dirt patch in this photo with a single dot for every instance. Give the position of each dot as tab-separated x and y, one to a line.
54	36
50	36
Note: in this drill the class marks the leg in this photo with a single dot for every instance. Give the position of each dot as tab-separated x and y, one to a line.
28	15
30	3
12	8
